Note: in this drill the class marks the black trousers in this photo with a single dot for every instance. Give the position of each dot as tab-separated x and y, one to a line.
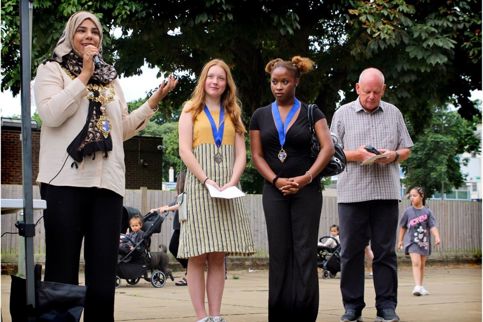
173	248
292	229
92	215
360	222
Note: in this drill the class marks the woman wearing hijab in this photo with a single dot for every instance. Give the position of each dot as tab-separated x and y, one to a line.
85	120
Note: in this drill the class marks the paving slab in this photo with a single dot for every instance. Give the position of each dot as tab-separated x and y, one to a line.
456	295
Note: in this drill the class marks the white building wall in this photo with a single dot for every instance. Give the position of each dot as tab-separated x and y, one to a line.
473	176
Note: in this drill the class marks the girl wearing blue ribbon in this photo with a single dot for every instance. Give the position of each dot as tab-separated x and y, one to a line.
292	197
212	146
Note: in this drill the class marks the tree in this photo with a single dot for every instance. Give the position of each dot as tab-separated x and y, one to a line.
435	52
439	40
437	154
430	56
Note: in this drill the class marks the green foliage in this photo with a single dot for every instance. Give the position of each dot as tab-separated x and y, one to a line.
131	106
439	40
37	119
251	181
436	156
429	51
424	45
169	133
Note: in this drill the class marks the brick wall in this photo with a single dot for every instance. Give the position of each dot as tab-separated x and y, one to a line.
12	155
143	159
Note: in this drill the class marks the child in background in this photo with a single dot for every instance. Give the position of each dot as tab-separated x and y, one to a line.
174	243
329	242
130	240
419	223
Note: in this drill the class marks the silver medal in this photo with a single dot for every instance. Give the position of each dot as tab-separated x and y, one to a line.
282	155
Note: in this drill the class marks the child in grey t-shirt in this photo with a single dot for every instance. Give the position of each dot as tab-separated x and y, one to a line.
416	226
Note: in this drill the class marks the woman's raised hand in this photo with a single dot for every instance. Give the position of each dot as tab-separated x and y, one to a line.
167	86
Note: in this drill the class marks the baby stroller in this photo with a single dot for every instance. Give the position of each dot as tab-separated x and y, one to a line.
140	262
328	258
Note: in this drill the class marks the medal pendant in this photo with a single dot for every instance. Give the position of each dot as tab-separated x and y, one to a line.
218	158
104	126
282	155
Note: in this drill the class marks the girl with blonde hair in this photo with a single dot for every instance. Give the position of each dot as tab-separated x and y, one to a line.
212	146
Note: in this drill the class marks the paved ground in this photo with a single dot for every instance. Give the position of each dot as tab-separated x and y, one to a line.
456	295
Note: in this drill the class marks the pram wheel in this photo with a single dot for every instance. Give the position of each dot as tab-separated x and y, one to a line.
158	279
133	281
327	274
118	281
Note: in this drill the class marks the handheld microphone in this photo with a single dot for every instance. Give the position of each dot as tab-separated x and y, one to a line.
97	61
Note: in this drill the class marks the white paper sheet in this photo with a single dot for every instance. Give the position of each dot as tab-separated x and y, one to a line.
229	193
372	159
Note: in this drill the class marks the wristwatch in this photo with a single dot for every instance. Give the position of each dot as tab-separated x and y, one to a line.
397	156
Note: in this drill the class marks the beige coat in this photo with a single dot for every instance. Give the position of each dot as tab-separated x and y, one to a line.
63	106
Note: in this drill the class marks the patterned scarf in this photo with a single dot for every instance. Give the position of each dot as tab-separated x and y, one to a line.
95	134
103	74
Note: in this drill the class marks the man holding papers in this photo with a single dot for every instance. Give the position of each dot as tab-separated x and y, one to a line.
375	140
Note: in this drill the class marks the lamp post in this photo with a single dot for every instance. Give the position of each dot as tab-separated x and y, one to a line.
27	228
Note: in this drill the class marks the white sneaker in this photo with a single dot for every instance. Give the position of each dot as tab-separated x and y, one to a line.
417	291
205	319
217	319
424	291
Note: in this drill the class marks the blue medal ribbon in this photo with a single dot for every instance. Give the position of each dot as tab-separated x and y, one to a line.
283	127
217	133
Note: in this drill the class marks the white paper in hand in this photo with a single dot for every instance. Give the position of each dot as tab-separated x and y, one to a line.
373	159
229	193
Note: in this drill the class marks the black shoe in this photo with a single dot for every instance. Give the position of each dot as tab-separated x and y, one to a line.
387	315
351	316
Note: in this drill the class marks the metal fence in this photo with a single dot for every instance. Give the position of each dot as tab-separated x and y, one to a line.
459	222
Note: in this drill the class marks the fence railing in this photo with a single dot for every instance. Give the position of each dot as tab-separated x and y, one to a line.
459	222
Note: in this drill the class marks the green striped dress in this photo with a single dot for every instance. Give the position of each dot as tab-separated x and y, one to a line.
213	224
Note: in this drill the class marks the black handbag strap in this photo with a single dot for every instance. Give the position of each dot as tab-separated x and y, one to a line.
310	116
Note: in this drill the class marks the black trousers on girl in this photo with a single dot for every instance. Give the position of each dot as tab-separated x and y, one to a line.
292	229
92	215
359	222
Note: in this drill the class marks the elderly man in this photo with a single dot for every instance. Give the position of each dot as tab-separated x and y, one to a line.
368	193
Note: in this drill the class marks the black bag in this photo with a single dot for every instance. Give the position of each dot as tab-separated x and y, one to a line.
338	161
55	302
152	222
